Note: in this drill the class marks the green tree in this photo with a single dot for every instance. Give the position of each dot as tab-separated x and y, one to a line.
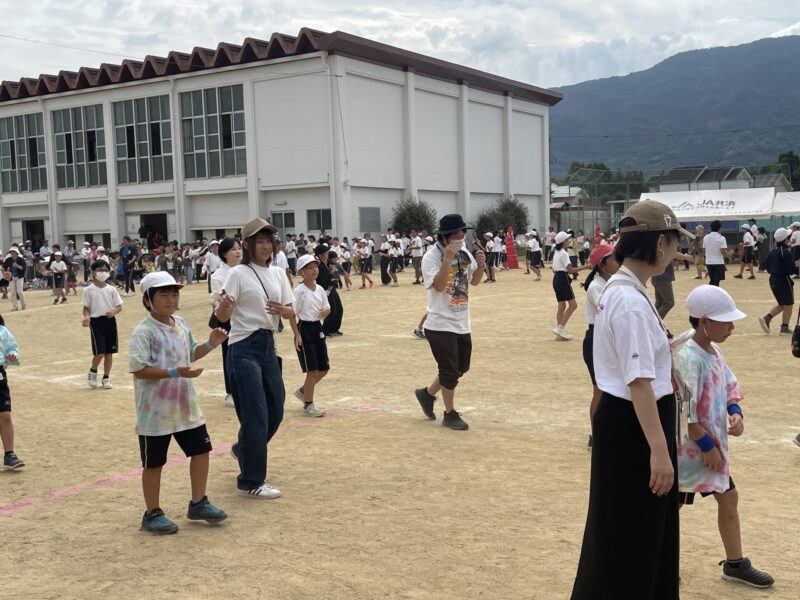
792	161
411	214
507	211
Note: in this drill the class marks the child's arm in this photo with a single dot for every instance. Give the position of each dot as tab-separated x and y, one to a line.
114	311
10	348
215	338
152	373
86	314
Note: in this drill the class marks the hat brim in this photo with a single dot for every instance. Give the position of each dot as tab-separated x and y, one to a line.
163	285
728	317
453	230
271	228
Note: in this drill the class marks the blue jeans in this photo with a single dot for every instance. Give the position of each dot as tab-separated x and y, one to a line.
257	385
189	270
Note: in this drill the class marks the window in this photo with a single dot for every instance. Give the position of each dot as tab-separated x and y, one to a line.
283	220
212	127
22	157
143	138
80	147
369	218
319	219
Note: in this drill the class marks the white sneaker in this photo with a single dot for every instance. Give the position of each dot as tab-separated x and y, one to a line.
313	411
91	380
107	384
566	335
298	393
229	400
264	492
395	284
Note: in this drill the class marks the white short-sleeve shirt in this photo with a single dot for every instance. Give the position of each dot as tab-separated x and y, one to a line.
560	260
593	298
100	300
448	310
309	303
629	341
713	244
748	240
416	247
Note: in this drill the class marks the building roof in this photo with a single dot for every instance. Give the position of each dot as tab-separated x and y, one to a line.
558	192
700	174
279	46
771	180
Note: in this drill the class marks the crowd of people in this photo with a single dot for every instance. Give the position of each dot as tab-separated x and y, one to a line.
661	409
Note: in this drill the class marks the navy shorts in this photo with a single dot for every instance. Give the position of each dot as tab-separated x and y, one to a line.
313	354
688	497
153	448
104	335
562	287
748	255
5	394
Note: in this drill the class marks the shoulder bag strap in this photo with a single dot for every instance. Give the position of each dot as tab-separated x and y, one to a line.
259	280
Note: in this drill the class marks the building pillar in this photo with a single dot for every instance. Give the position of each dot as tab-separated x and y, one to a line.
463	204
253	193
508	116
52	229
544	210
343	219
116	217
181	210
410	144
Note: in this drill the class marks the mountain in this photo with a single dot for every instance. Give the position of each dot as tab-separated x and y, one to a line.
752	87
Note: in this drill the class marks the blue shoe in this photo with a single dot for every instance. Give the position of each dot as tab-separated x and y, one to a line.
158	523
205	511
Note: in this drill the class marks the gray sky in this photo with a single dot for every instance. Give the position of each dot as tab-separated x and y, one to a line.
543	42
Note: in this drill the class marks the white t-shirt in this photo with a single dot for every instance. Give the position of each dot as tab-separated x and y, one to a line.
754	231
448	310
499	246
489	245
795	238
218	280
560	260
629	341
371	245
308	304
363	252
550	238
416	247
100	300
281	261
713	244
58	266
291	249
211	263
593	298
534	245
250	312
748	240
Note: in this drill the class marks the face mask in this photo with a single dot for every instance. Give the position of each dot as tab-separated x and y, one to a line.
101	275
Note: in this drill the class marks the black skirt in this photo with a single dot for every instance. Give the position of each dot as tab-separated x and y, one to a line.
562	287
631	541
588	356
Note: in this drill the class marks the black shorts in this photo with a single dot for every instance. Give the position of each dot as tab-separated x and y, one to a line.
366	265
313	354
104	335
5	394
562	287
452	352
536	259
153	448
748	255
783	289
688	497
58	280
716	273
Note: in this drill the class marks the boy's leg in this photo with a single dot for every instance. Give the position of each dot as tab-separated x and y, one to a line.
448	396
198	472
96	360
308	386
562	307
728	521
107	361
151	487
7	431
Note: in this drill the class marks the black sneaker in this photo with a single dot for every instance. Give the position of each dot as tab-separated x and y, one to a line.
737	276
205	511
797	440
426	402
453	420
11	461
744	572
785	330
158	523
419	333
589	445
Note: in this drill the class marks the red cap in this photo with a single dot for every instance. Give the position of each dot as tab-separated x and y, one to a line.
599	252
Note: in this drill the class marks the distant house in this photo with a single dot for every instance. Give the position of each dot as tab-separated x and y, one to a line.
567	195
700	177
776	180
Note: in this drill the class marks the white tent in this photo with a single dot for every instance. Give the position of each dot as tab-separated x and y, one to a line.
786	204
733	204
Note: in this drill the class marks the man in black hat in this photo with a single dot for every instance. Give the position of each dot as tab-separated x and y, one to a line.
448	269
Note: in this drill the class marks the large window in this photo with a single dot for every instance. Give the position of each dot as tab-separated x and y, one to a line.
212	126
319	219
283	220
22	156
80	147
143	138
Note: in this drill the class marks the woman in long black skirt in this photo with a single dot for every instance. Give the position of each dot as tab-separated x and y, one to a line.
630	544
333	322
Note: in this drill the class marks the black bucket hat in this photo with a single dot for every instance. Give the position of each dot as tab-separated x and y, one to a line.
451	223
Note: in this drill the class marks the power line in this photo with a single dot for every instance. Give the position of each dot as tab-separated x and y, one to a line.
682	134
11	37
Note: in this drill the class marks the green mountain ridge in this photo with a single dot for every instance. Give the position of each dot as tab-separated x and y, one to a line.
752	87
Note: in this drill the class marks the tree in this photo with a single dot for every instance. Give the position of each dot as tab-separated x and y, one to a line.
507	211
792	160
411	214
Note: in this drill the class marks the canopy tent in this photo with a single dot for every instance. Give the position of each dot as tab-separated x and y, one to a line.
701	205
786	204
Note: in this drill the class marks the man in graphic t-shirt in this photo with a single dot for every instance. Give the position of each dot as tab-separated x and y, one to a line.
448	269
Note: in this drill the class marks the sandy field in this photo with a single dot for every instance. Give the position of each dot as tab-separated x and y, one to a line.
377	501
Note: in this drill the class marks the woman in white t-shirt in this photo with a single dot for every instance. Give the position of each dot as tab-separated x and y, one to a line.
254	295
631	536
562	269
230	253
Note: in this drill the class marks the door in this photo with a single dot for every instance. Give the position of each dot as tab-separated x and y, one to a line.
34	231
154	228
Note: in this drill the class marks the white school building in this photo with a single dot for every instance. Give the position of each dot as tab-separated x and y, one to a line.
318	131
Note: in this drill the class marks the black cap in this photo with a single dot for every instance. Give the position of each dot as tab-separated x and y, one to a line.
451	223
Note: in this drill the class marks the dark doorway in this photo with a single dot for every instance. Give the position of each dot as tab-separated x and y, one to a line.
153	229
34	231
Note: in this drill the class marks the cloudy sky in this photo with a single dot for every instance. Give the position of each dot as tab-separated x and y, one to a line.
543	42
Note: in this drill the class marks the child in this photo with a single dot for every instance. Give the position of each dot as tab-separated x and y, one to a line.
780	265
59	269
101	304
714	412
365	263
311	307
162	349
9	355
563	267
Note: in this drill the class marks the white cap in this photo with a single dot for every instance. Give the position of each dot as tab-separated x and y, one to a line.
86	244
57	253
714	303
158	279
428	239
561	237
14	249
488	234
795	224
212	242
305	260
101	249
745	226
781	233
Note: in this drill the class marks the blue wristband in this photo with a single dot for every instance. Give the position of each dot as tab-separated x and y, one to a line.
705	443
734	409
209	345
173	372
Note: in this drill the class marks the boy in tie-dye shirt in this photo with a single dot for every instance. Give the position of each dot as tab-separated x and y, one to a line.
714	412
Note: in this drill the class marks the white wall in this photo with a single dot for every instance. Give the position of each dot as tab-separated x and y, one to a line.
480	201
485	148
445	203
384	199
298	200
436	151
85	217
526	154
217	211
534	206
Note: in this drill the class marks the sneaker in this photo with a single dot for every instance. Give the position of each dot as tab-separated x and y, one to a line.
394	284
737	277
229	400
426	401
11	461
235	450
63	301
589	445
14	309
744	572
752	277
418	333
91	380
764	322
785	330
796	440
106	384
263	492
312	410
54	301
453	420
299	394
362	287
205	511
158	523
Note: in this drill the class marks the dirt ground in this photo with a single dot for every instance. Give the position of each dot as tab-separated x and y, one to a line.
377	501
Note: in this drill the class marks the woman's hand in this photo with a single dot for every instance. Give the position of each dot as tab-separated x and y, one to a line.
662	473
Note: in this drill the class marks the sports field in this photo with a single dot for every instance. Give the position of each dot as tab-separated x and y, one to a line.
377	501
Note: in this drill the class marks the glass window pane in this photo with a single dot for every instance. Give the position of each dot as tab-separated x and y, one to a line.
238	121
119	113
168	170
197	103
212	124
188	165
326	219
101	153
213	142
186	105
241	162
188	135
128	112
312	218
61	177
35	179
77	120
213	164
81	170
30	126
91	122
23	183
238	98
98	115
122	172
200	164
154	108
100	136
277	220
158	169
211	101
141	113
166	147
144	170
70	177
225	99
199	143
228	162
239	139
288	220
165	107
94	171
197	124
103	174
